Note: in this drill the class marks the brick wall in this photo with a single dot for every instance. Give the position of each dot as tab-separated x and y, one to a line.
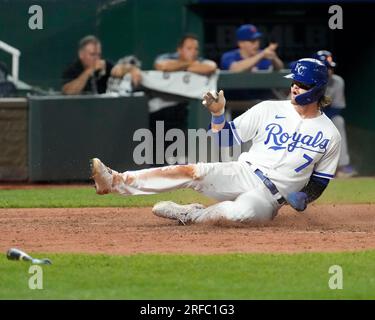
13	139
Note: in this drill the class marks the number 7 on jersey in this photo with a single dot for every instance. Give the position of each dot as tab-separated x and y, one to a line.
309	160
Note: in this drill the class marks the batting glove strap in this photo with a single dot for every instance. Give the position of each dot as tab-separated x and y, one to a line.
218	119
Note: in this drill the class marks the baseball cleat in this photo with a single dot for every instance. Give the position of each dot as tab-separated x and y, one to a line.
102	176
174	211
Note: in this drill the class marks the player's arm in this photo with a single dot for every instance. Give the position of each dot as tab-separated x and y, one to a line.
323	171
242	129
222	130
277	63
170	65
205	67
215	103
270	53
312	191
121	69
76	85
246	64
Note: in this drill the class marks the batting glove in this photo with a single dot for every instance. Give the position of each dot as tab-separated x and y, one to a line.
298	200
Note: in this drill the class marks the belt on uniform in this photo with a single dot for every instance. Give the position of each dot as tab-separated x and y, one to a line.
269	184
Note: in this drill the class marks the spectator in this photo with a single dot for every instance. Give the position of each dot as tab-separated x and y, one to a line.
186	58
248	57
336	91
128	64
125	84
90	73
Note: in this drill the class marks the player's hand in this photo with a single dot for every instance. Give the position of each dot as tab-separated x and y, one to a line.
269	54
273	46
298	200
99	65
270	51
214	102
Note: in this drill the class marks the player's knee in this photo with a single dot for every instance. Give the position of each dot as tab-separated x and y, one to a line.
260	216
189	170
252	207
239	212
181	171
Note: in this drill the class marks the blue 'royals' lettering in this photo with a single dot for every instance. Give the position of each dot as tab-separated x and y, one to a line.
279	138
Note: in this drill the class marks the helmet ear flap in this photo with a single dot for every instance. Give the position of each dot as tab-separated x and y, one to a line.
310	96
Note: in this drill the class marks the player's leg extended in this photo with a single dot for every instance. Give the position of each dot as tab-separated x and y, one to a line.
221	181
145	181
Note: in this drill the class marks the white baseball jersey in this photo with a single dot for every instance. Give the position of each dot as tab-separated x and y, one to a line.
336	91
287	148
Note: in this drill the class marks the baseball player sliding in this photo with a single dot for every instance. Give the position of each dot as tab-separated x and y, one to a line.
294	154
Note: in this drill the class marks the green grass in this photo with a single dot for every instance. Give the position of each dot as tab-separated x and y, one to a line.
86	197
231	276
354	190
359	190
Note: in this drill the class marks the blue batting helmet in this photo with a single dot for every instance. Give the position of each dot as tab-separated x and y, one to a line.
313	73
325	56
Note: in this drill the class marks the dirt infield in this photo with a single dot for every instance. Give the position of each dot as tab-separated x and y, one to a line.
136	230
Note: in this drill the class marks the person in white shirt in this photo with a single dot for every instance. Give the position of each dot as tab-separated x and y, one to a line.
294	154
336	91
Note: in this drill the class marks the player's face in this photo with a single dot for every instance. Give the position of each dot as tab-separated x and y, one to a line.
189	50
90	54
296	89
251	48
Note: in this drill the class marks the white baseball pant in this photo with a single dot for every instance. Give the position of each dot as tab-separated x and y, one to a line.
242	194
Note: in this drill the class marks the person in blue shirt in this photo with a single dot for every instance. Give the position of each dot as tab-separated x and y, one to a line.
248	56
